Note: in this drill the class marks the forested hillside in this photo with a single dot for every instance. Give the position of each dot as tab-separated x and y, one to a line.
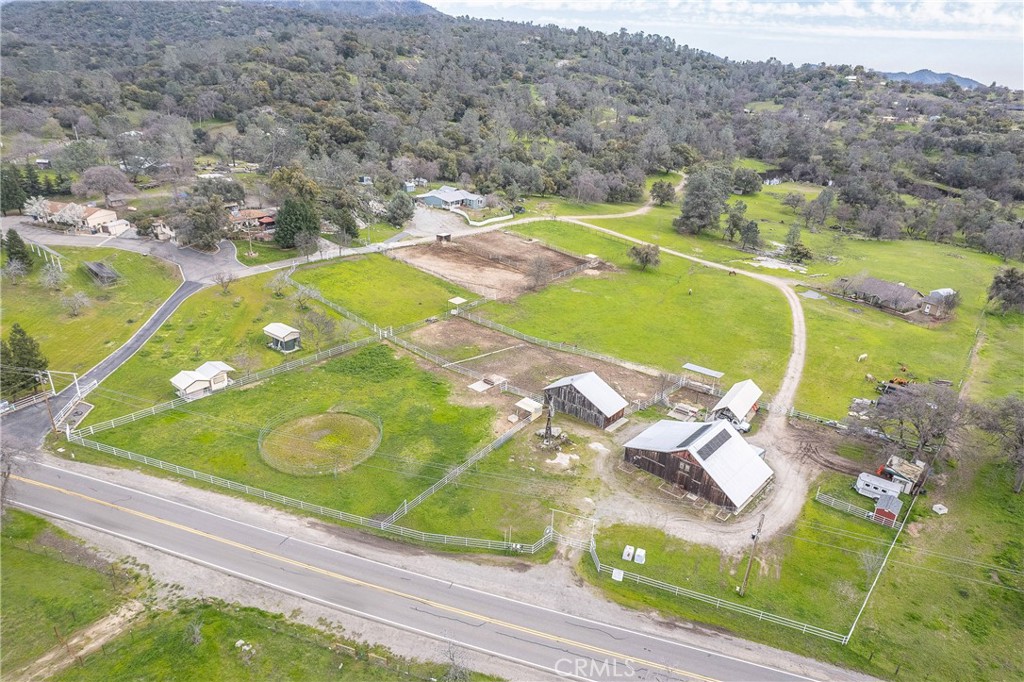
504	107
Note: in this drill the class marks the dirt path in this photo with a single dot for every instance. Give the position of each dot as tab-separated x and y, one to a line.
80	644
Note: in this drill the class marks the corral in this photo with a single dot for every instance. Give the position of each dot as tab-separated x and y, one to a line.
496	264
524	364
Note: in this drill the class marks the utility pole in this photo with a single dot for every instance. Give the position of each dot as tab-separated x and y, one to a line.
49	411
750	561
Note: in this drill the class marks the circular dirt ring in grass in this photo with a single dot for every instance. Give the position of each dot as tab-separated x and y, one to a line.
319	444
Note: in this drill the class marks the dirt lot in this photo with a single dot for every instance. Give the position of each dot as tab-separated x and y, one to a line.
494	264
523	364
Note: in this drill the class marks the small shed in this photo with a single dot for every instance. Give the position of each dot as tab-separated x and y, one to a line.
738	402
708	459
282	337
887	509
189	384
216	372
874	487
101	272
528	408
365	180
409	186
588	398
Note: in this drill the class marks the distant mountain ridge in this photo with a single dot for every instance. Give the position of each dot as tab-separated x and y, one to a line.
929	77
358	8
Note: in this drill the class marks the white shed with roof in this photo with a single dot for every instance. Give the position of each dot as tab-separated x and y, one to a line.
190	384
282	337
738	402
216	372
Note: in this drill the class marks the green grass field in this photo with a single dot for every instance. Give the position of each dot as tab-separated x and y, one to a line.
996	371
74	344
265	253
510	493
161	648
381	290
423	433
45	589
209	326
650	317
934	614
755	165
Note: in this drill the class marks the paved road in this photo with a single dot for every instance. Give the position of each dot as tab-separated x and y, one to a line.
27	428
434	606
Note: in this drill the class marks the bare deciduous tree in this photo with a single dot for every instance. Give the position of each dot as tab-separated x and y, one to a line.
245	362
317	327
53	277
75	303
301	298
224	279
540	272
307	243
194	631
871	561
14	271
278	284
922	412
105	180
1004	419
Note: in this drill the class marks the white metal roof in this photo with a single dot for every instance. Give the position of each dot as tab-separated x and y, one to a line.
703	370
280	330
450	194
731	462
740	398
595	390
210	369
529	404
186	378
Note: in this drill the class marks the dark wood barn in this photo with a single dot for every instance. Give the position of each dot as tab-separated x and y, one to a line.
101	272
588	398
710	460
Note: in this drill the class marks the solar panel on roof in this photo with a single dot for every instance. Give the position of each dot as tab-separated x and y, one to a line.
711	447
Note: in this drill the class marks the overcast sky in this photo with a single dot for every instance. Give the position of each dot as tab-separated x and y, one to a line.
979	39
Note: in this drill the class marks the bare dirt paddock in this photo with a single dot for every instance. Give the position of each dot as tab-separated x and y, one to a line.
495	264
523	364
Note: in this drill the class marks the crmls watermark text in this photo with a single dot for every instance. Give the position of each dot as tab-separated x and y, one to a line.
593	668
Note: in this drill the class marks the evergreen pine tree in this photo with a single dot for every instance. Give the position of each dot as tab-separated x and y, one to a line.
15	249
12	196
294	217
30	180
26	356
10	379
48	188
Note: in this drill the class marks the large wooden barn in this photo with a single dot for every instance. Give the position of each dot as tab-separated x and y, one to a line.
709	459
588	398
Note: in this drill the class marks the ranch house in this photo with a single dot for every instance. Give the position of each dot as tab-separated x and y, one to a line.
449	197
588	398
708	459
892	296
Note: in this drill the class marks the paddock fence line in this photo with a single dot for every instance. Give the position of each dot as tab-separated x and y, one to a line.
80	394
237	383
481	223
378	525
457	471
856	429
848	508
445	363
717	602
566	347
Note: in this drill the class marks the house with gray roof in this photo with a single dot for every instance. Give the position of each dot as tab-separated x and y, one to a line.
707	459
450	197
588	398
892	296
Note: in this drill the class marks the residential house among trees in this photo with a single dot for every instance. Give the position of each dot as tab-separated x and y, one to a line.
73	215
708	459
282	337
588	398
449	197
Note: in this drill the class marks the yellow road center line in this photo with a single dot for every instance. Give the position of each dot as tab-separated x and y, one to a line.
362	583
